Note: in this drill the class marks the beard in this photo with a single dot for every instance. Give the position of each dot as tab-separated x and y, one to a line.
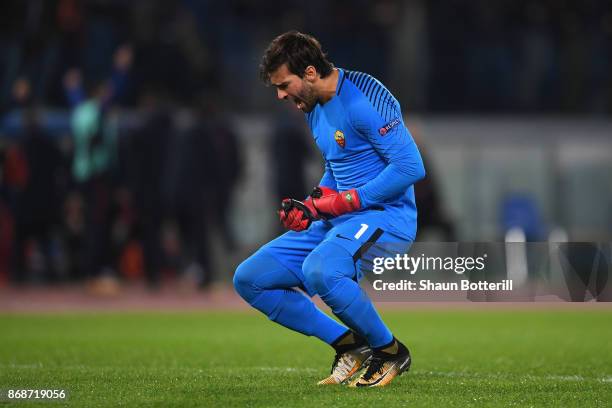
306	99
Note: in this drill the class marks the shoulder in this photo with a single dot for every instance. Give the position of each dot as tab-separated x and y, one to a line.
361	93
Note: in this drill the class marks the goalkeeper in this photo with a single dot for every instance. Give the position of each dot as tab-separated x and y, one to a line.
366	196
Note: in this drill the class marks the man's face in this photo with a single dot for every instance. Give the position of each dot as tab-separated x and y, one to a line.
292	88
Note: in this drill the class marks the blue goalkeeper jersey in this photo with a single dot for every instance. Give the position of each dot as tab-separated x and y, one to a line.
361	134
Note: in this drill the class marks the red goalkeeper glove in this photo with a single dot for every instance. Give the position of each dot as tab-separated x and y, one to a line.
296	215
323	203
328	203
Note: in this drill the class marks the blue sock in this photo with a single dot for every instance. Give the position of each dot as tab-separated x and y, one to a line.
329	269
265	284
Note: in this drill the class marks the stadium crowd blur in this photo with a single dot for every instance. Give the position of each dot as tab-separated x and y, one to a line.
86	190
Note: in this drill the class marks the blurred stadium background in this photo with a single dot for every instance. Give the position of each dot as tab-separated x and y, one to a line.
137	146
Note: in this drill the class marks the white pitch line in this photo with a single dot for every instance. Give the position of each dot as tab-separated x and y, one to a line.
566	378
13	365
286	369
455	374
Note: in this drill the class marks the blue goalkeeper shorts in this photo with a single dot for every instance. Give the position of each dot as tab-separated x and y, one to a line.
362	235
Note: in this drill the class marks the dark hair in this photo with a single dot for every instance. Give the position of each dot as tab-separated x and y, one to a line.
298	51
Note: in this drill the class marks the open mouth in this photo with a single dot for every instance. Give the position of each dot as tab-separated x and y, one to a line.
299	103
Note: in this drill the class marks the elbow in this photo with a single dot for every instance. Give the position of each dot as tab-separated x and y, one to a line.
413	173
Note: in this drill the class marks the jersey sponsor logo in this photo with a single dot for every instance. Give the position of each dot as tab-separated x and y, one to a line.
339	138
385	129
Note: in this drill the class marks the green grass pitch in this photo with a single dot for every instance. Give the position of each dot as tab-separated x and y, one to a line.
461	358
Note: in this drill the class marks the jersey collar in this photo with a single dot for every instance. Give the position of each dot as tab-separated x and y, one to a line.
340	81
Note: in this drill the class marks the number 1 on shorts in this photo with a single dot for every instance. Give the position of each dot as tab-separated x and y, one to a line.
363	229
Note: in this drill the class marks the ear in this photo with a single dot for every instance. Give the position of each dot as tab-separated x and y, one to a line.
310	74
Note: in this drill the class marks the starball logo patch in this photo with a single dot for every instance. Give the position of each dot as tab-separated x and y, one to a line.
385	129
339	138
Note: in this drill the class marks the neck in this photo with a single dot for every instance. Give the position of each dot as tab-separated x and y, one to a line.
327	86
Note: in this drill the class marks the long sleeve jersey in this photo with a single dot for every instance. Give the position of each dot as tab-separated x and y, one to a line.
361	134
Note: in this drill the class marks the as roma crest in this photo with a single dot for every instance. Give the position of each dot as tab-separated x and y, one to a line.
339	137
